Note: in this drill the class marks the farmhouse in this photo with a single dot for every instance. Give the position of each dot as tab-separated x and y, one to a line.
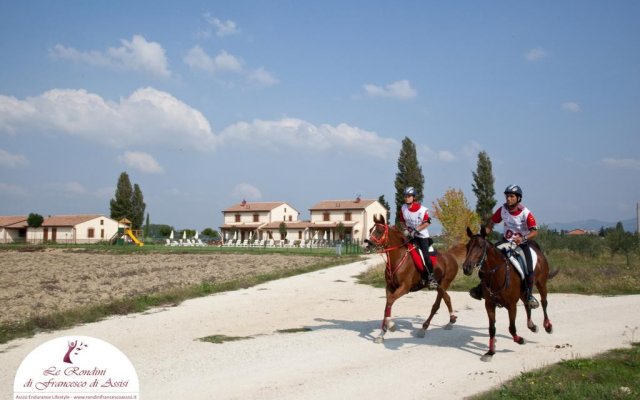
59	228
330	220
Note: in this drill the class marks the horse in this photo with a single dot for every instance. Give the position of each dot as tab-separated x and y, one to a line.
502	285
402	275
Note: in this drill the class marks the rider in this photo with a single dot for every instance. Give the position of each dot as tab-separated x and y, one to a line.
519	227
415	219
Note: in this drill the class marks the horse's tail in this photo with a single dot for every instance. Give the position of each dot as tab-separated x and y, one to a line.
552	274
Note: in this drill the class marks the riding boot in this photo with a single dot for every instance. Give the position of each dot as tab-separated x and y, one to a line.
476	292
428	277
531	301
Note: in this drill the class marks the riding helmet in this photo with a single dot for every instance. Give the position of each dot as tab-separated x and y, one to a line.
514	189
410	191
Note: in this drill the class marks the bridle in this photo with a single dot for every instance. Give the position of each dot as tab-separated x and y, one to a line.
487	275
383	242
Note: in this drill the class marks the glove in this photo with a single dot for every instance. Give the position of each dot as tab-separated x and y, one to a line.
410	232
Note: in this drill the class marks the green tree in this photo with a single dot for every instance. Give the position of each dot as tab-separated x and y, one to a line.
386	205
282	228
455	216
409	174
35	220
620	241
212	233
146	227
137	207
340	229
483	187
120	205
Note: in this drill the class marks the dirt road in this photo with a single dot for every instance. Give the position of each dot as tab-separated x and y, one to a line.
337	357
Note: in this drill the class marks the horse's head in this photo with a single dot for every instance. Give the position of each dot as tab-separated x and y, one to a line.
379	233
476	251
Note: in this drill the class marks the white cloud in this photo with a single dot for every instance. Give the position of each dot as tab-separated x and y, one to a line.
141	161
137	54
12	160
294	133
622	163
198	59
429	155
571	106
223	28
398	90
535	54
262	77
147	117
12	190
246	191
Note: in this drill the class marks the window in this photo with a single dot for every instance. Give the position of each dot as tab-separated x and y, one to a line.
90	233
325	216
256	218
101	233
237	217
101	222
347	216
290	218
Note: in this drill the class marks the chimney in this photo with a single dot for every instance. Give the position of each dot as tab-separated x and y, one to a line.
244	203
358	198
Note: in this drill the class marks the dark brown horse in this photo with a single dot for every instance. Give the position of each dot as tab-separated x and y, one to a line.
402	276
502	285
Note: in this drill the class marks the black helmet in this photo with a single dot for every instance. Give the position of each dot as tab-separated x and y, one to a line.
514	189
410	191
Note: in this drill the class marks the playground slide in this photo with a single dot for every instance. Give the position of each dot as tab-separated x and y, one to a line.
133	237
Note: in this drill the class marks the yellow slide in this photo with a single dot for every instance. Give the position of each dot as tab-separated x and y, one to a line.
133	237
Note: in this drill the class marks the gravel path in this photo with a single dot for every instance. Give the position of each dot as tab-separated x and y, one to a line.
337	357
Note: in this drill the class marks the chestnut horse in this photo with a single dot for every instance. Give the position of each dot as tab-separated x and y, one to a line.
402	276
502	285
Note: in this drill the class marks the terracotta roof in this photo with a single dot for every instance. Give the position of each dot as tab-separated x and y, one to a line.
333	224
343	204
242	225
13	221
257	206
69	220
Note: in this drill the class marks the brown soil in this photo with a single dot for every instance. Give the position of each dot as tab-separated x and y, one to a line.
38	283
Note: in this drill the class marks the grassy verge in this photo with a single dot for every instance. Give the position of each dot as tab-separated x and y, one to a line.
611	375
92	313
604	275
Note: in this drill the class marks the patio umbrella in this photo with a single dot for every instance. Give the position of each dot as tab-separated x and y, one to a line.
235	235
171	235
196	236
324	237
184	235
251	235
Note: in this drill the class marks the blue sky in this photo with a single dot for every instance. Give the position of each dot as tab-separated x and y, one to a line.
208	103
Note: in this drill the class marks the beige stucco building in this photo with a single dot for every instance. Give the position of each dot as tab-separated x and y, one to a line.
262	220
59	228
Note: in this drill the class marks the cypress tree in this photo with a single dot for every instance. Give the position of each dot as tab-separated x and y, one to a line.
409	174
137	207
120	205
483	187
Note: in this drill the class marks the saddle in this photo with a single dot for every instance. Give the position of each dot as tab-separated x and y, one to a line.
418	257
516	256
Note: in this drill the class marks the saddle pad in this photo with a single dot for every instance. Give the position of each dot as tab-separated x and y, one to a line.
416	255
515	262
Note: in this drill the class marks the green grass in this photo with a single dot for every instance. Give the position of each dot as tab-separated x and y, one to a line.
611	375
87	314
294	330
579	274
219	339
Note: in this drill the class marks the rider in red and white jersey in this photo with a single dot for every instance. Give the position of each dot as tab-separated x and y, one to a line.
519	227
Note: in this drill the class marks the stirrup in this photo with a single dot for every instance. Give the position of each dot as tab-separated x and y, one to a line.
433	284
532	302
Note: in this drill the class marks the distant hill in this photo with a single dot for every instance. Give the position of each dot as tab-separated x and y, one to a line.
593	225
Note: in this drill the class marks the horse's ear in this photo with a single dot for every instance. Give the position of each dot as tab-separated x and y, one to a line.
376	218
469	233
483	231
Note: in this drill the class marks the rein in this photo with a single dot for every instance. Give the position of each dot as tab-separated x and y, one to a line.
487	275
382	242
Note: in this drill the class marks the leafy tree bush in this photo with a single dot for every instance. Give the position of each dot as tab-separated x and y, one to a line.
455	216
35	220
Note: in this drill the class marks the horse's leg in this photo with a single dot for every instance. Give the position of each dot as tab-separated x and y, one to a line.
513	311
542	288
387	323
447	300
530	324
434	309
491	313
